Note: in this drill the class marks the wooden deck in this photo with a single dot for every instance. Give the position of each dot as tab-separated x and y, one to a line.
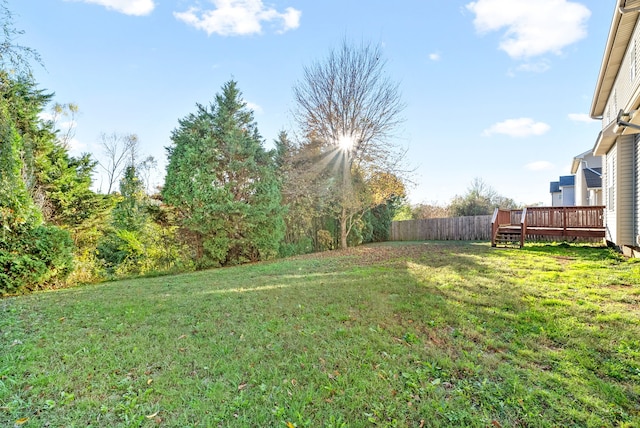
515	226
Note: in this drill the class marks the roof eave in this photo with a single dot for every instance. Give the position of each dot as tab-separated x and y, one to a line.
611	61
606	139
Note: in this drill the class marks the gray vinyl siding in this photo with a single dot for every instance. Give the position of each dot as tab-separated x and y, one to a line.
625	190
568	196
624	86
636	219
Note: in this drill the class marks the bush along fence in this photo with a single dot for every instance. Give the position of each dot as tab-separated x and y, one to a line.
471	228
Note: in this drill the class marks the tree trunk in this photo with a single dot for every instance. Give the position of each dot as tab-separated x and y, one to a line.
343	229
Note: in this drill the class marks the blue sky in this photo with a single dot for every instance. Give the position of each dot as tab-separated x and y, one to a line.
495	89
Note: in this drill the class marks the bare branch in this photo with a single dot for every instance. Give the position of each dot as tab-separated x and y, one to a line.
13	56
349	97
120	151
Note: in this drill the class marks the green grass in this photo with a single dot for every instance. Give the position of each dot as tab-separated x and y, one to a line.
406	335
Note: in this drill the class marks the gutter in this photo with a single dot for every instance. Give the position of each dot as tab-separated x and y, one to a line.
623	9
620	10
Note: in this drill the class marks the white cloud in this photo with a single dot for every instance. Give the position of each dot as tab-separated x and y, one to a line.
581	117
76	147
532	28
239	17
67	126
434	56
255	107
128	7
522	127
45	116
539	166
535	67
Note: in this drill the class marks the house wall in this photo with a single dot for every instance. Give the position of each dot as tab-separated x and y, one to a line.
625	190
583	195
621	165
627	80
582	192
636	219
556	199
593	161
568	196
595	197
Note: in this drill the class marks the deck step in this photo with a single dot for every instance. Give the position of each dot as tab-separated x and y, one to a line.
508	237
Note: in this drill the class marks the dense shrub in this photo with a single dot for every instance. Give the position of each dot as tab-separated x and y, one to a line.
34	258
303	246
154	249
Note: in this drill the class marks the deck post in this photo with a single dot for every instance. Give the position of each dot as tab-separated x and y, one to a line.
494	227
523	226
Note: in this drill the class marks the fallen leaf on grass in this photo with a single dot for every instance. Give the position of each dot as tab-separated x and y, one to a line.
22	421
153	415
242	386
149	381
496	424
182	337
290	425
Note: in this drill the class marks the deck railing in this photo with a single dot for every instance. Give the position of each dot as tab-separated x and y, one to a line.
500	218
565	217
552	221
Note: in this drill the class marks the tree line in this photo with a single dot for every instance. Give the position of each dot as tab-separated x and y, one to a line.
335	181
479	199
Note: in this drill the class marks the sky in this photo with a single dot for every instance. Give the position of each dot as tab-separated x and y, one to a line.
498	90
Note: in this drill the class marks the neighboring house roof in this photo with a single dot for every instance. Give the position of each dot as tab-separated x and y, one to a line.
593	177
578	159
554	187
567	180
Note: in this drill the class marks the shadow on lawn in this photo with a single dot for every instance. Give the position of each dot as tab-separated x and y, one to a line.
525	310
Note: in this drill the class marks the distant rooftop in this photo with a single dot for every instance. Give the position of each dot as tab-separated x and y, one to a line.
567	180
593	176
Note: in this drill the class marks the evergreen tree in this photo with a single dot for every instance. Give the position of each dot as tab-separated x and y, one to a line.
223	182
16	205
40	184
130	213
59	184
32	254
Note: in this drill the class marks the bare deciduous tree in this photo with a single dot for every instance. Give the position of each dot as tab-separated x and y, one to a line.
120	151
145	168
63	119
349	104
14	57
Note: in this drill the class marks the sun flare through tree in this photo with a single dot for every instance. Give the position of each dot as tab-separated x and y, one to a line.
349	105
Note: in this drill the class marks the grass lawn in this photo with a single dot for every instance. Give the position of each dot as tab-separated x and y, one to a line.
400	334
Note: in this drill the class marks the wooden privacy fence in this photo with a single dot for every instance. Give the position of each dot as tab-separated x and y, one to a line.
472	228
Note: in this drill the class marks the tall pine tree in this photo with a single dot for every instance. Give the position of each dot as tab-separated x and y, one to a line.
223	182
